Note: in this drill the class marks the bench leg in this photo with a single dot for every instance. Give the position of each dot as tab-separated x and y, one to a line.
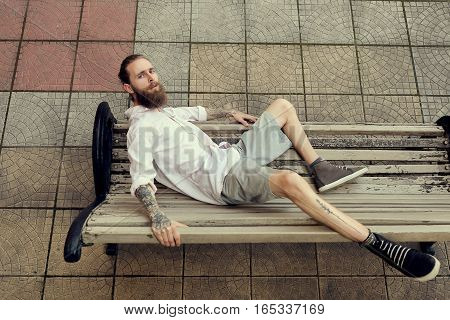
427	247
112	249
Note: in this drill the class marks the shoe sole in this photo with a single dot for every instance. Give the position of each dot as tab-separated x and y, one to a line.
432	274
343	180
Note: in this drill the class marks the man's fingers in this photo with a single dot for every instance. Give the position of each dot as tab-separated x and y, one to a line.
158	236
169	232
176	236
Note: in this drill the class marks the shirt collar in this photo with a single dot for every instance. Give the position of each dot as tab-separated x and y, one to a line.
135	110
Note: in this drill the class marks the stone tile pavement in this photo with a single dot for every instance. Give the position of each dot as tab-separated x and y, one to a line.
335	60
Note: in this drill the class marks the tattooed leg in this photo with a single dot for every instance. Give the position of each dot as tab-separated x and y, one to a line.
289	184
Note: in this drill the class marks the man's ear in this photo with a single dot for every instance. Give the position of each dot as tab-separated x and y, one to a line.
128	88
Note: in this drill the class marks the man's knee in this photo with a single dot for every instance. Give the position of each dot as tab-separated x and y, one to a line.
283	104
286	182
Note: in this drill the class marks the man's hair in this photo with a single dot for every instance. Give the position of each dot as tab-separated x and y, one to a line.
123	73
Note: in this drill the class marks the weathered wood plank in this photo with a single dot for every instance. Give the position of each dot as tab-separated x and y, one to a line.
352	188
395	180
124	168
120	141
327	128
120	155
292	234
270	218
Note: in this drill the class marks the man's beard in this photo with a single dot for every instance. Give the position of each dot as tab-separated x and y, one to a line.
149	99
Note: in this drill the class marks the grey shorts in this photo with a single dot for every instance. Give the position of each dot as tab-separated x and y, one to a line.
248	180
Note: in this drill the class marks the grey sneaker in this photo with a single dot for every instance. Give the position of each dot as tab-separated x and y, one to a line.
415	264
328	176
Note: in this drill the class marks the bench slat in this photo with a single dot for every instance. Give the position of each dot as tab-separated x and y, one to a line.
252	234
351	188
396	180
120	141
117	168
269	218
120	155
326	128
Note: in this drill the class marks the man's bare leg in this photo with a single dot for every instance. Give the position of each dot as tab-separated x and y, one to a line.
286	117
288	184
417	265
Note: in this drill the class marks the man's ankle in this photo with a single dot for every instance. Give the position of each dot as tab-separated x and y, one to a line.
315	162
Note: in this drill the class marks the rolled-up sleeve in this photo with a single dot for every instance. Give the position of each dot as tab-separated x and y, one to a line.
197	113
141	144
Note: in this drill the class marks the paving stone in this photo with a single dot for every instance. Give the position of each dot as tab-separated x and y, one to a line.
335	108
98	64
178	99
353	288
326	21
216	288
330	69
434	107
148	288
28	176
149	259
218	20
280	259
25	235
386	70
53	20
389	109
93	262
171	62
12	13
83	106
4	98
258	103
108	20
21	288
54	74
217	260
36	119
217	68
379	22
76	181
441	255
347	259
274	69
171	17
8	54
74	288
428	22
290	288
272	21
216	101
433	70
403	288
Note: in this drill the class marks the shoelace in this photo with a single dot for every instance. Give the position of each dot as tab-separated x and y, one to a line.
397	253
342	167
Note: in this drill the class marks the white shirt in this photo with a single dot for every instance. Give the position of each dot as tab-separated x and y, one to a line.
165	145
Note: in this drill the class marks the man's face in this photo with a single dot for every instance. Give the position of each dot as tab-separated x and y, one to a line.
146	88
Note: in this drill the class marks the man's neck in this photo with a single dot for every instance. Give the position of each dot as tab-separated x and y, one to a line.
135	104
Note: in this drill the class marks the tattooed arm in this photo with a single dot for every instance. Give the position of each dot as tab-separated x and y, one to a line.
213	114
162	228
233	116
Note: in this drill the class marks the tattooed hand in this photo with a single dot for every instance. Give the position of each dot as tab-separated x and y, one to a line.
163	229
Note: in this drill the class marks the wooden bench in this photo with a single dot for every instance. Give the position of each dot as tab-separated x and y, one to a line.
405	195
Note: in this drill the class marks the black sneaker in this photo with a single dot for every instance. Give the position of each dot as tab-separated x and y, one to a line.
415	264
328	176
